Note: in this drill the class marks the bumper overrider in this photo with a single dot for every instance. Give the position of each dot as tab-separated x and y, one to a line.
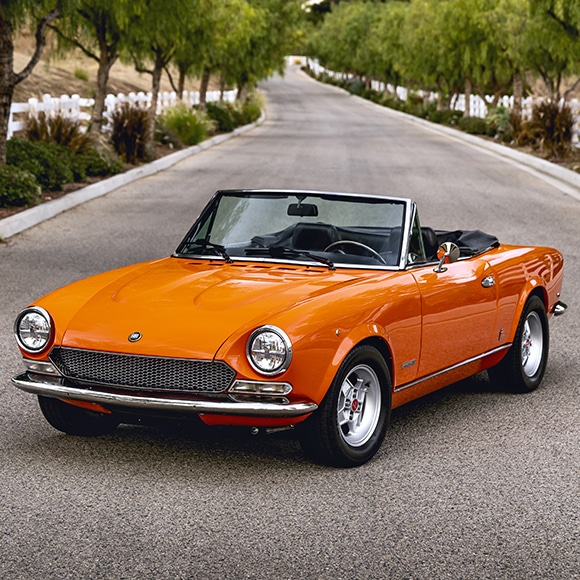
45	380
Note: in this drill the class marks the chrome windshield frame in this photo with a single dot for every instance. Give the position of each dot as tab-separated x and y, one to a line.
409	212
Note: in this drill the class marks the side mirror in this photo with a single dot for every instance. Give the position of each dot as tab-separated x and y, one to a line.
447	253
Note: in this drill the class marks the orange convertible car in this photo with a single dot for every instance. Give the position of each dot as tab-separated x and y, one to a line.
320	311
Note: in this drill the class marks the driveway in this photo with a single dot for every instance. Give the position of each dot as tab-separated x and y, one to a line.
470	482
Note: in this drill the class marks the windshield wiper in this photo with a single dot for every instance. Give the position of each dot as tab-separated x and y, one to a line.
207	244
282	251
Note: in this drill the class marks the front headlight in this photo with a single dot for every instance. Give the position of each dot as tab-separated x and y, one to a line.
269	350
33	329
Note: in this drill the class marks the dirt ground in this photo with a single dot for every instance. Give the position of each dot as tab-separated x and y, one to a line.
55	74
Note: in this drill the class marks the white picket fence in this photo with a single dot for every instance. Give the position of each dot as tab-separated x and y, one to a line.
478	106
78	108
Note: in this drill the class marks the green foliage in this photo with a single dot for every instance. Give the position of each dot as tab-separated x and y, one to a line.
473	125
499	123
129	134
18	187
81	74
58	129
48	162
224	116
93	163
228	116
446	117
190	126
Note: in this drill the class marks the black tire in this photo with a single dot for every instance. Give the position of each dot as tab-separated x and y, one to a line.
350	425
74	420
522	369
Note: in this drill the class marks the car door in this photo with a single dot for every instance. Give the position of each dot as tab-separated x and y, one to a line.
459	307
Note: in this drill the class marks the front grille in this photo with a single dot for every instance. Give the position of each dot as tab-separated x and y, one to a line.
142	372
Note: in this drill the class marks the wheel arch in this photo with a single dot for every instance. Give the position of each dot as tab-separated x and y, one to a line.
381	345
532	288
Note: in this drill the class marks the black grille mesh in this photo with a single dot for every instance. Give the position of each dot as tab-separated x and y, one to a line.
142	372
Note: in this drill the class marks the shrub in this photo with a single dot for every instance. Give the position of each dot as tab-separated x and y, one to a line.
550	129
190	126
60	129
499	123
252	109
446	117
47	161
17	187
473	125
81	74
100	163
223	115
129	132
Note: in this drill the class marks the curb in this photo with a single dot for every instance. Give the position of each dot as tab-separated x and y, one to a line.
28	218
569	180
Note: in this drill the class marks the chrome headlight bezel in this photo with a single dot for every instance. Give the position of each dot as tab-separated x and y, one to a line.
38	311
285	352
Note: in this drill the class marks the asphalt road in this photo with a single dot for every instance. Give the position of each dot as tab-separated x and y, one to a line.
470	483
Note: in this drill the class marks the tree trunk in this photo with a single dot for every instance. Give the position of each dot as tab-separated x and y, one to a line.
155	85
518	94
105	63
7	82
204	84
468	90
9	79
181	83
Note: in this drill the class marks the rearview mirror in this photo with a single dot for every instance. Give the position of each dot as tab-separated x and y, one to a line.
303	209
447	253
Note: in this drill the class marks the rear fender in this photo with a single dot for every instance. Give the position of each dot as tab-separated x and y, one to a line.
534	286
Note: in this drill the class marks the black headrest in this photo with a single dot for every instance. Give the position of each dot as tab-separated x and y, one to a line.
430	242
315	236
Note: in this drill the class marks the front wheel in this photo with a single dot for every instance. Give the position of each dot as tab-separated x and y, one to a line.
75	420
350	424
522	369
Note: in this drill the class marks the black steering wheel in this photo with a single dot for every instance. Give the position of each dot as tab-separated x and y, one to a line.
374	253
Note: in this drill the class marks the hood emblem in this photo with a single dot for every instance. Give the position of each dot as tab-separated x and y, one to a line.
135	336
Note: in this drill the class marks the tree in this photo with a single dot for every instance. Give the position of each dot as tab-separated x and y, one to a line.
97	28
386	44
553	40
433	59
152	39
274	36
14	15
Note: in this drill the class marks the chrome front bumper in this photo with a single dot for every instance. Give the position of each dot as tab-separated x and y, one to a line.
251	409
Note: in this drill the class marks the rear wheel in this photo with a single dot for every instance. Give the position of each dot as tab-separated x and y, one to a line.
522	369
74	420
350	424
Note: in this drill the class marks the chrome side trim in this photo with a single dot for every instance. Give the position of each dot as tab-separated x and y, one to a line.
452	368
252	409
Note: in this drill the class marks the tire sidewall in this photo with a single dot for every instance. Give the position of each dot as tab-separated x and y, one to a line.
357	455
525	382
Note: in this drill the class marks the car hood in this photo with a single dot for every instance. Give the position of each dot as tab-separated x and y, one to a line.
186	308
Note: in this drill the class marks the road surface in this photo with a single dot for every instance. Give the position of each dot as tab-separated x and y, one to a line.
470	482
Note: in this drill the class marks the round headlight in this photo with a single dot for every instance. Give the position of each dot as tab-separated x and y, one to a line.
269	350
33	329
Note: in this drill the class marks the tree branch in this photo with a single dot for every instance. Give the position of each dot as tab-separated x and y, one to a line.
138	66
74	42
571	30
40	43
166	69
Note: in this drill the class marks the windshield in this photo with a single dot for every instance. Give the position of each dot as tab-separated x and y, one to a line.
332	229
